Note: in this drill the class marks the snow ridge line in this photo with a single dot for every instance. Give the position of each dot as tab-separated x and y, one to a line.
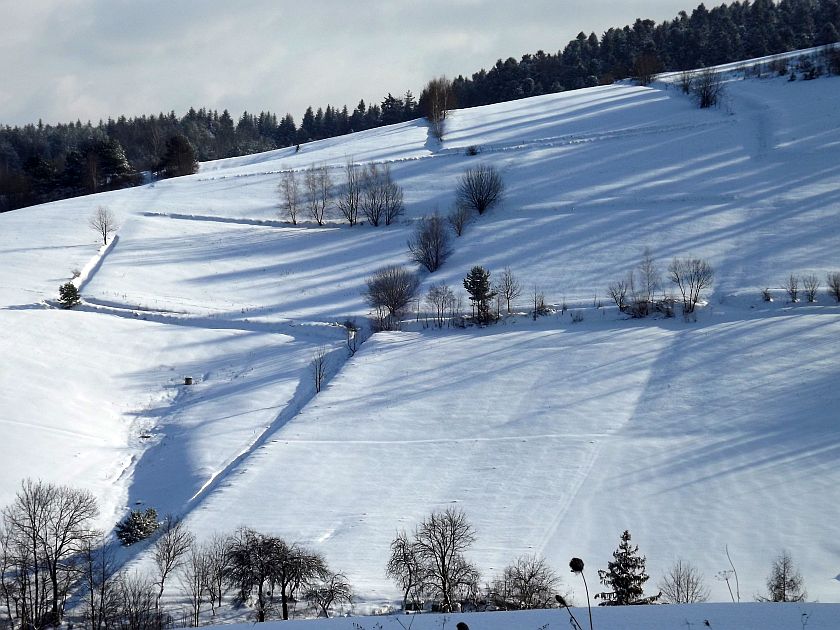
288	327
454	440
539	143
304	394
95	264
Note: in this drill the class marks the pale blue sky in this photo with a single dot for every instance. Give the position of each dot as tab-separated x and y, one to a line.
90	59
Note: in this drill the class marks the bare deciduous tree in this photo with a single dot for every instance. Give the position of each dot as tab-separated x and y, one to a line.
138	604
528	583
350	197
509	287
618	293
812	285
442	299
218	559
332	590
833	280
169	551
393	198
459	218
102	221
650	280
251	557
272	567
381	197
791	287
429	245
194	577
45	530
683	584
290	195
785	583
352	336
406	569
389	291
691	275
318	192
441	540
436	99
100	581
319	367
480	188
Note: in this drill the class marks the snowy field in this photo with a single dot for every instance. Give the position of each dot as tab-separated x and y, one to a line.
552	436
698	616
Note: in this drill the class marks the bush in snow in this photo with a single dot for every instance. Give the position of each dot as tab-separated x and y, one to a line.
528	583
691	275
791	287
683	584
811	285
459	218
429	245
480	188
708	88
68	295
137	526
389	291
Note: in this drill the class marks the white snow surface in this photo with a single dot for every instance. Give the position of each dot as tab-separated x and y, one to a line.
552	436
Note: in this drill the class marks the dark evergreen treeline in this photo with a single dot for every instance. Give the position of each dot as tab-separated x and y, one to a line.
43	162
726	33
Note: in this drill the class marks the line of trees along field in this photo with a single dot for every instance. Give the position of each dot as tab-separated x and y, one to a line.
42	162
56	569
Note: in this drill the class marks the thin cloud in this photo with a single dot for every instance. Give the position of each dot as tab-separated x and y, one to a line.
91	59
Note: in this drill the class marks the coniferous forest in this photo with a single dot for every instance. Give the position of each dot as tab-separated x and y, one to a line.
43	162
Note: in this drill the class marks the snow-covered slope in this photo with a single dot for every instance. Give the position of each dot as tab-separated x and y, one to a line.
553	436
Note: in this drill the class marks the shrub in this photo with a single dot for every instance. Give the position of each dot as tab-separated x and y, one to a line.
708	88
480	188
68	295
137	526
389	291
811	284
683	584
691	275
791	287
429	245
459	218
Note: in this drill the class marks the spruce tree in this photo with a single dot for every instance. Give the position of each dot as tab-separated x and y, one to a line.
477	284
68	295
626	576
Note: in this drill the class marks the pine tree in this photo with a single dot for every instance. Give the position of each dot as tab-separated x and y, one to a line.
137	526
68	295
477	284
626	576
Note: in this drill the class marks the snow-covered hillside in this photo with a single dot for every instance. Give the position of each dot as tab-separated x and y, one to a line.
554	436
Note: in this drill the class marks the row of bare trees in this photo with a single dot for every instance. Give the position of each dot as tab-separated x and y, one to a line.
641	291
809	284
368	192
50	552
431	567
